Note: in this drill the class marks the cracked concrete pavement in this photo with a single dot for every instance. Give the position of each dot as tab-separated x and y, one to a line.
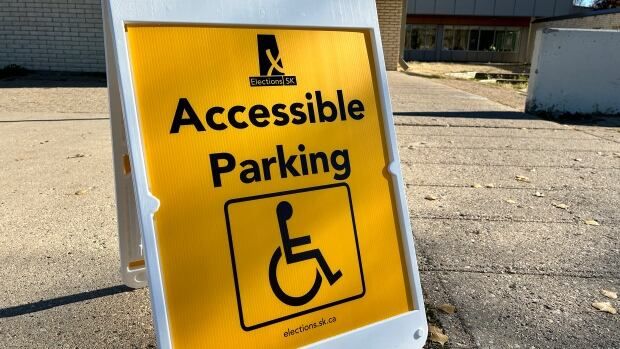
521	272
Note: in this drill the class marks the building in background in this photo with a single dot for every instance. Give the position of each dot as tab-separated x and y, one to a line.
67	35
475	30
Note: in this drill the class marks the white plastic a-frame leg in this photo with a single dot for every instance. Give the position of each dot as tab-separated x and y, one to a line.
133	268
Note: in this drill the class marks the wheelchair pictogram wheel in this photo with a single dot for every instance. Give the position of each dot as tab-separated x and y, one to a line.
283	296
284	212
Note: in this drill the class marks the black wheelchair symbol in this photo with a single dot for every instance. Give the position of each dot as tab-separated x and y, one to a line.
284	211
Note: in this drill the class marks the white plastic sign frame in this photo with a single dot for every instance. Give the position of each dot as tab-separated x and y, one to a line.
130	242
136	205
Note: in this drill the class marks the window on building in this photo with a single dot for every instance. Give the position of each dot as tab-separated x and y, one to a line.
459	38
455	38
463	38
507	40
474	36
499	40
448	38
487	40
420	37
407	42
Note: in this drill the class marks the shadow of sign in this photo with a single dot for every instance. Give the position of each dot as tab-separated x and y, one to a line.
56	302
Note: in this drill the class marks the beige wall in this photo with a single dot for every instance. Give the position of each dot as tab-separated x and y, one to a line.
52	34
603	21
390	14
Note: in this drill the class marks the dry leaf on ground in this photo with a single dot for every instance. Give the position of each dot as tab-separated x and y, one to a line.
605	306
437	335
79	155
591	222
609	294
522	179
539	194
476	185
578	160
431	197
490	185
447	308
558	205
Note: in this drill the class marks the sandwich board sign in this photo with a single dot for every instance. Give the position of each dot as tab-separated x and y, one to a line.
254	141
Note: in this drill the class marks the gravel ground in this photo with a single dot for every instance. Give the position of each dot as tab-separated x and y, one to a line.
505	95
442	68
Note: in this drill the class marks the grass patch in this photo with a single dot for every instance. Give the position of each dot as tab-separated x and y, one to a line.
520	86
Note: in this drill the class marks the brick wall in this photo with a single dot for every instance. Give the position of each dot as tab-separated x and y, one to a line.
67	35
390	14
52	34
602	21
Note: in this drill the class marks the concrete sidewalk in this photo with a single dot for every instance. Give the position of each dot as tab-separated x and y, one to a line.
521	272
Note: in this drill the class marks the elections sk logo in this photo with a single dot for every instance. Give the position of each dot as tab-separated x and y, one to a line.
271	65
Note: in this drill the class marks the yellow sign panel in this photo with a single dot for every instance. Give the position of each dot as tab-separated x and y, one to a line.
277	225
